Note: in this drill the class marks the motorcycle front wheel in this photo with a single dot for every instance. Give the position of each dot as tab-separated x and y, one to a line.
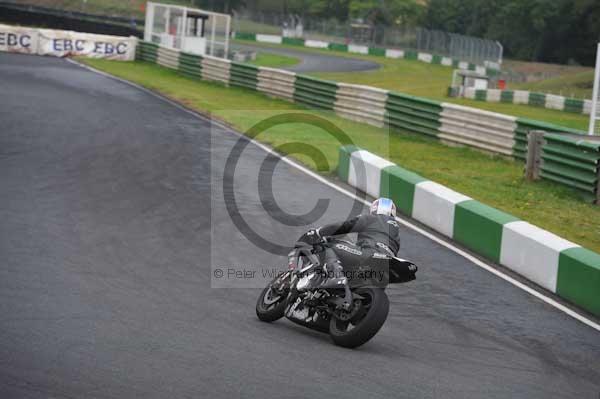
270	305
354	328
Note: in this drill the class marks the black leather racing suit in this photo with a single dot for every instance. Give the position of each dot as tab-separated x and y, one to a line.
377	234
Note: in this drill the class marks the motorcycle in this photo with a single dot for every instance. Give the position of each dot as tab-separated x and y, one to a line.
350	310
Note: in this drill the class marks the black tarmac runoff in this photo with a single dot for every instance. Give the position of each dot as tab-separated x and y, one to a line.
315	62
113	220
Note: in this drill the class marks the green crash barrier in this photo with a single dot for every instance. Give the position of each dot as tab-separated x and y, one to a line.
148	51
399	184
491	233
413	114
537	99
243	75
316	92
573	105
294	41
377	51
579	278
337	47
344	161
245	36
190	65
479	228
481	95
506	96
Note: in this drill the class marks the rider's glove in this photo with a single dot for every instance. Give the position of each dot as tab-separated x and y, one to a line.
311	237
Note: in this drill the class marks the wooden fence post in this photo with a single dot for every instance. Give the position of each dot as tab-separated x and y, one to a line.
535	141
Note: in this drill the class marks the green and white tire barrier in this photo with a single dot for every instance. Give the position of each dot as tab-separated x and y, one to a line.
216	69
476	128
276	83
558	265
316	93
491	68
549	101
451	123
361	103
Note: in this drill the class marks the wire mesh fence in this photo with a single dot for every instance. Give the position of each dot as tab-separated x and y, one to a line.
453	45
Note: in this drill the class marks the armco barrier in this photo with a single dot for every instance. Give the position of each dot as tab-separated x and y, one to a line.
555	264
549	101
377	51
524	126
572	162
489	131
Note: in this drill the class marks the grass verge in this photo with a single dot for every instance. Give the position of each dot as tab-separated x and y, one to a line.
430	81
274	60
493	180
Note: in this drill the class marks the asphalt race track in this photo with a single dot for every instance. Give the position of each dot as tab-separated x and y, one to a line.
316	62
105	280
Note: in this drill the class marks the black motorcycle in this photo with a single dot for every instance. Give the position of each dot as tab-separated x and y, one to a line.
351	309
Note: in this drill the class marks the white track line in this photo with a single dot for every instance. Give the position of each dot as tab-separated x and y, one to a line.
353	196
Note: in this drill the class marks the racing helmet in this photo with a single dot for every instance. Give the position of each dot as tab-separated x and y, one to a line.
383	206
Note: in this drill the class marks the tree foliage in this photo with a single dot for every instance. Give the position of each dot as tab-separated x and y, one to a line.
541	30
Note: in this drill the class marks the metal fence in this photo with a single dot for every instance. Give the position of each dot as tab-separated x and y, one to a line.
453	45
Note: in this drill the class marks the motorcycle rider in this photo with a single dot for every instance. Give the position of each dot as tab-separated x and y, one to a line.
378	234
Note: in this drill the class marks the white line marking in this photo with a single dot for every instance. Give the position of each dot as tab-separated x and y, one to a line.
350	194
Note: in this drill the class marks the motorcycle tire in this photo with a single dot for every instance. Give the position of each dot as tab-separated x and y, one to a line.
270	313
367	326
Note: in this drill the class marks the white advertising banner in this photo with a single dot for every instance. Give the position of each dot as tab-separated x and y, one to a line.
15	39
62	43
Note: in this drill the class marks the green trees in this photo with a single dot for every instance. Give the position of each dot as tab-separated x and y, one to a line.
541	30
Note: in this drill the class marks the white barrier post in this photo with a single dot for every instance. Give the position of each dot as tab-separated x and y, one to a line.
594	114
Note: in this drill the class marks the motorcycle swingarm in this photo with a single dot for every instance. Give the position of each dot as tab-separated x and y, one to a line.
337	301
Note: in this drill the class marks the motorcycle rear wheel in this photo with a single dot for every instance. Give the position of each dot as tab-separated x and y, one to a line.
270	312
363	326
